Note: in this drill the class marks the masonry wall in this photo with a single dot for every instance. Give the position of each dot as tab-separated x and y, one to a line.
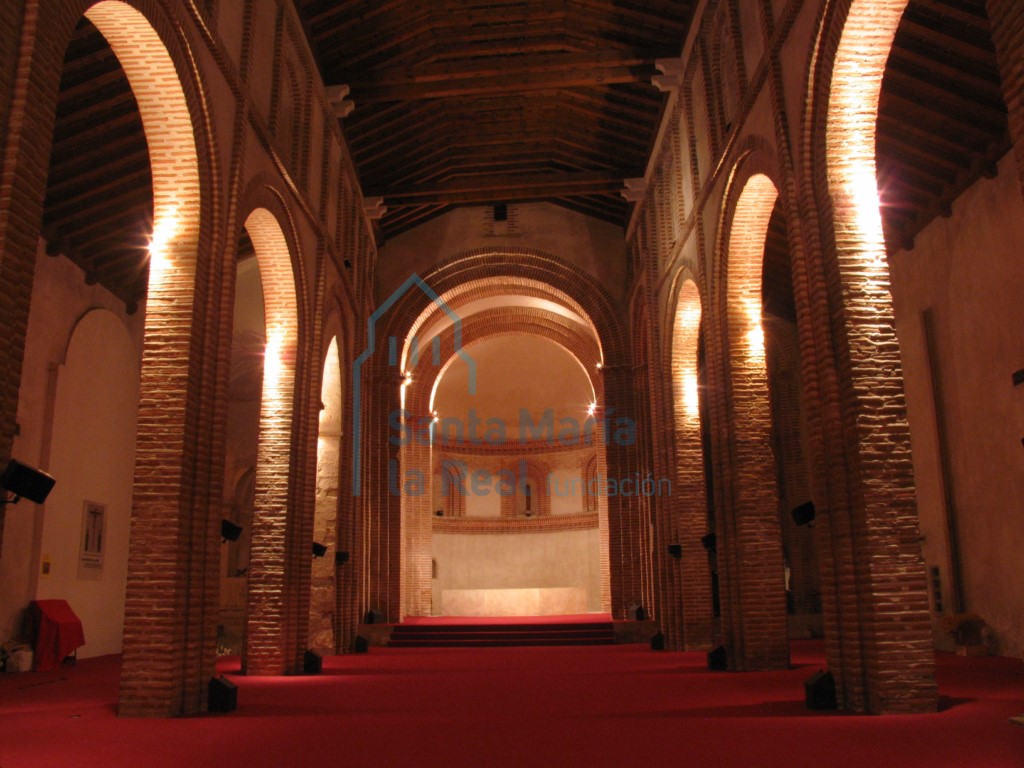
594	246
966	271
60	299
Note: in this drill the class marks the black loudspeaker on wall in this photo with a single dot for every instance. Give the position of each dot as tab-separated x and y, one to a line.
718	658
26	482
803	514
223	695
820	691
312	663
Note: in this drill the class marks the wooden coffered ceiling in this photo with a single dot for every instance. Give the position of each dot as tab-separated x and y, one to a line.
470	102
462	102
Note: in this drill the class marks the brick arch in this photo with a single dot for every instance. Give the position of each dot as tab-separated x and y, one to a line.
261	193
643	574
276	549
463	295
169	641
869	495
416	510
506	270
750	559
689	502
509	268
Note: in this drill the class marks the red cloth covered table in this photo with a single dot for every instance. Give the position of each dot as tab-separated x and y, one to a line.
57	632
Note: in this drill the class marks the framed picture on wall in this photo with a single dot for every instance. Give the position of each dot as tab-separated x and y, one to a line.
94	536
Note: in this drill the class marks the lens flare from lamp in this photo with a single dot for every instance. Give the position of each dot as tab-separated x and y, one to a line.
691	394
755	336
163	233
272	364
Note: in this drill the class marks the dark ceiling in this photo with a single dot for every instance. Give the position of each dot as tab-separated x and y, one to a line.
462	102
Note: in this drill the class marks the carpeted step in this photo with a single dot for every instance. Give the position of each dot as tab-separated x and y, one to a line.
500	635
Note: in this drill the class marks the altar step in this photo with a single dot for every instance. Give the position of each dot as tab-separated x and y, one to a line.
500	635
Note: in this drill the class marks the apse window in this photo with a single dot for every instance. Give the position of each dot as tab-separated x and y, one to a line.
93	537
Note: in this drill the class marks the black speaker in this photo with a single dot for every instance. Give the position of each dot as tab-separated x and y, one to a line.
223	695
803	514
658	642
373	617
636	612
26	482
718	659
340	558
676	550
319	550
312	663
360	645
230	531
710	541
820	691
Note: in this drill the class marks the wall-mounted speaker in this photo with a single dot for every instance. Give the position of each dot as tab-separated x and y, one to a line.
710	542
230	531
803	514
319	550
676	550
340	558
26	482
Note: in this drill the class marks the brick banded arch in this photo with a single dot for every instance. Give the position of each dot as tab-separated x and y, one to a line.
169	635
689	503
416	509
276	554
500	271
750	558
873	576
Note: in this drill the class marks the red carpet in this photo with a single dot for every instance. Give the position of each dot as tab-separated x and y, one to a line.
593	706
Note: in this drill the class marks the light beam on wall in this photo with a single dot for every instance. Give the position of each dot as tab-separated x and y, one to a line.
163	234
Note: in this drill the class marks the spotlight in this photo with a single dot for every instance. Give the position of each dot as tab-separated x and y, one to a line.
340	558
676	550
312	663
229	531
25	482
710	542
803	514
319	550
820	691
718	658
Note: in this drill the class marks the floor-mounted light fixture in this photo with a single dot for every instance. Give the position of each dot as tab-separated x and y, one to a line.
319	550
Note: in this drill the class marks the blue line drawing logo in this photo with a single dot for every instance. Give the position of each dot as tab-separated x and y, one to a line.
414	280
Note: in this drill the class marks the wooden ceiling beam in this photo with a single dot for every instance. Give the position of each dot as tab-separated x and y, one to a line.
505	187
512	82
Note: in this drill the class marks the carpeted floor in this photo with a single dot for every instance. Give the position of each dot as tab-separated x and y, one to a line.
595	706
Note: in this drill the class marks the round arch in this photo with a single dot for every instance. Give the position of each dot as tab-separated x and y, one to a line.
749	538
846	71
